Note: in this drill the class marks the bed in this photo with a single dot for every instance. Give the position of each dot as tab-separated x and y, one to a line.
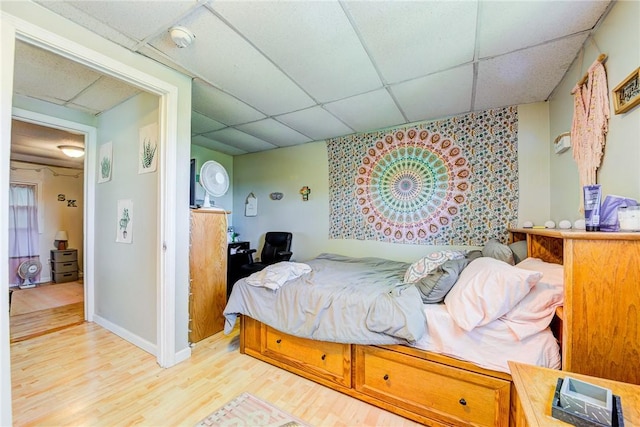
428	340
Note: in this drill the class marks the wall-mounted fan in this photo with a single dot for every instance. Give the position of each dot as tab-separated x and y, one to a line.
27	271
215	181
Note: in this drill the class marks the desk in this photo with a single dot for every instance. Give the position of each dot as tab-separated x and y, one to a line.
535	386
234	262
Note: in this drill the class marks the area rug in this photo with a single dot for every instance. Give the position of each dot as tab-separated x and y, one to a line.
248	410
45	297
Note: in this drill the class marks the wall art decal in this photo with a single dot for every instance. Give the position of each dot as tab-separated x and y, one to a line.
452	181
105	162
148	152
125	222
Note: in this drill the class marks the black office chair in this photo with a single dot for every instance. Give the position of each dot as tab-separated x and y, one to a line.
277	247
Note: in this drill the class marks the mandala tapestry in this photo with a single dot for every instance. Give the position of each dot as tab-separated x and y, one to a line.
448	182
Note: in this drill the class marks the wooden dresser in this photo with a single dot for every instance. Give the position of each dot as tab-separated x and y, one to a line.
208	273
601	313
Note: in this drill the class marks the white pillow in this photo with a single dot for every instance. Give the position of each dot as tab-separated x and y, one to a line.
425	265
275	275
487	289
535	311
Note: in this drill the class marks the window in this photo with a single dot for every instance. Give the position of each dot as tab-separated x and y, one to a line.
23	220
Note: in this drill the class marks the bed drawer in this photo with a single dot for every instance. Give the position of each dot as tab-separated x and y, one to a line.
433	390
330	361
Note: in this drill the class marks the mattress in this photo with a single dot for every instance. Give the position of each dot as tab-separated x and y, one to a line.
490	346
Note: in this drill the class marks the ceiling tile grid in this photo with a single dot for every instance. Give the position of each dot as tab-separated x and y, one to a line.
276	73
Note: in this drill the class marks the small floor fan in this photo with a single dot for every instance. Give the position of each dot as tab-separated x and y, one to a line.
27	271
215	181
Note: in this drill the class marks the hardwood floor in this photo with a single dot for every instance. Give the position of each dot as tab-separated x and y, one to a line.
47	308
85	375
30	325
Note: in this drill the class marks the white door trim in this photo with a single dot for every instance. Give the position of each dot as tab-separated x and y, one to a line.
168	94
90	144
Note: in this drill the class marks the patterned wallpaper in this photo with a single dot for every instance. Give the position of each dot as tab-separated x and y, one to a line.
447	182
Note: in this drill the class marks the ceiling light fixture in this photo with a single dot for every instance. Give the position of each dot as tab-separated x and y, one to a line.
71	150
181	36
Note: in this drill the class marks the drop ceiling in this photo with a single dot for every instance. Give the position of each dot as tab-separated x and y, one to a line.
270	74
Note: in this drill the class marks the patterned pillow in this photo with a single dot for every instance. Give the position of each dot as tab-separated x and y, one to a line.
426	265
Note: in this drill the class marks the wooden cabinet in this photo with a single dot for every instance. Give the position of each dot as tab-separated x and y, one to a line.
601	313
436	391
208	273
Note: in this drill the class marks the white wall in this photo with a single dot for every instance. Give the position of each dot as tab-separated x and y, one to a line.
125	274
286	170
619	38
55	215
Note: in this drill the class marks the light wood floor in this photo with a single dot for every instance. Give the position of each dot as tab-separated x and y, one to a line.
85	375
45	309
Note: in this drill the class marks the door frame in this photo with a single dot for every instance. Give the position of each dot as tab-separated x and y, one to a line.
13	28
89	168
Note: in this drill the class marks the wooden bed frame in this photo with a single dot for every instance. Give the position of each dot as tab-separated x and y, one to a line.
426	387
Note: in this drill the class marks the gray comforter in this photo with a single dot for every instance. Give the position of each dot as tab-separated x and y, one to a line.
342	299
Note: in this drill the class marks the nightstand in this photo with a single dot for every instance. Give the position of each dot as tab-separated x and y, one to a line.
64	265
535	387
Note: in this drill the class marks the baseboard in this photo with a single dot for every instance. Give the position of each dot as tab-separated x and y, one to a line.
182	355
126	335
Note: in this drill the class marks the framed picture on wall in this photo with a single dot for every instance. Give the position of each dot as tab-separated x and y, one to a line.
627	94
105	159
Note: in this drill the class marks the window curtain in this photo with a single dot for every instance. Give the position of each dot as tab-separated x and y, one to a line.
23	228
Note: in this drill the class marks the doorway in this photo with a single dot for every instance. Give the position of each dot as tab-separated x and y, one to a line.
46	204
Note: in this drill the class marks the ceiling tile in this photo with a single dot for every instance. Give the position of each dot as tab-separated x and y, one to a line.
328	61
220	106
138	19
95	25
274	132
525	76
369	111
438	95
230	63
105	94
240	140
529	23
212	144
409	39
316	123
203	124
37	68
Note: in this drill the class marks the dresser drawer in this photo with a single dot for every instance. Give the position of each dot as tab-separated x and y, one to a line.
330	361
64	267
433	390
64	256
65	277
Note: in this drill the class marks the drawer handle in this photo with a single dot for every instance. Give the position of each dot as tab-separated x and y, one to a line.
386	377
324	356
463	402
278	341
